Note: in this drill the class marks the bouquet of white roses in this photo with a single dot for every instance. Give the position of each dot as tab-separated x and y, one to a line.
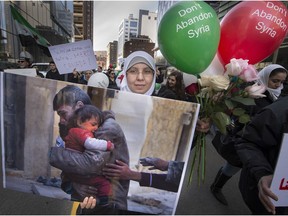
219	97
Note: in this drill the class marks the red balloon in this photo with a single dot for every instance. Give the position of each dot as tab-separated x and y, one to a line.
252	30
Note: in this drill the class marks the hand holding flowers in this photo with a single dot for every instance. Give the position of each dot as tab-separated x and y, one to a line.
219	97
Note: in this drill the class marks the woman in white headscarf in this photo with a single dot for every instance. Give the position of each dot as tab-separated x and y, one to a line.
272	77
139	73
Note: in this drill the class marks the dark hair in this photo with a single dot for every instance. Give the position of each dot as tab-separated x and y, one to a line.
85	113
51	62
70	95
179	86
276	71
110	70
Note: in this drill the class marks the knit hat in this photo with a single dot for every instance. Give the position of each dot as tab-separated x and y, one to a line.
24	55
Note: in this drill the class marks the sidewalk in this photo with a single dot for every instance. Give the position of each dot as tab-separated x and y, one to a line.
18	183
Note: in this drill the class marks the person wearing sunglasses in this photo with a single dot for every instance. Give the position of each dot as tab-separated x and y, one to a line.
112	79
25	60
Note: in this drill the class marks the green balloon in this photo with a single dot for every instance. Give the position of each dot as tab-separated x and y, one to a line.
188	36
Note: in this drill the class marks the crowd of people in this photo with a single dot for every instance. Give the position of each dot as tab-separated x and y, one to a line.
254	151
80	77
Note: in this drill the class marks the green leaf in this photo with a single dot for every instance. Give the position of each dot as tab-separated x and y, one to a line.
238	112
219	107
229	104
221	120
244	119
245	101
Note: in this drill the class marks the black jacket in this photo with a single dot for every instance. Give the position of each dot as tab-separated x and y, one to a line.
55	75
258	150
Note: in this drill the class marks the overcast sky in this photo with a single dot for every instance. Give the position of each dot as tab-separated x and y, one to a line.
109	14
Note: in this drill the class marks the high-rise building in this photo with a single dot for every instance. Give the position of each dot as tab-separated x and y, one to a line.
112	53
83	20
62	18
50	18
65	19
148	24
128	28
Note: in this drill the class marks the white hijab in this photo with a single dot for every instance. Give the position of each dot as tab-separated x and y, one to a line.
148	60
264	75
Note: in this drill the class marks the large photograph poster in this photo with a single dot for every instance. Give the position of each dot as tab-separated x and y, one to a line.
153	127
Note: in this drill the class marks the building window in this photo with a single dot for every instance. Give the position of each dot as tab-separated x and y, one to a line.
133	24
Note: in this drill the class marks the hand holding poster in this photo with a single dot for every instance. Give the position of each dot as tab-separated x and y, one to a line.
77	55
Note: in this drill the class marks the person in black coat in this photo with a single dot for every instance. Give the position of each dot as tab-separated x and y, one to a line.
112	79
53	73
258	150
272	77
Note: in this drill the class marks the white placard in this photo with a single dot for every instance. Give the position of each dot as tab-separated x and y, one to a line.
279	184
79	55
31	72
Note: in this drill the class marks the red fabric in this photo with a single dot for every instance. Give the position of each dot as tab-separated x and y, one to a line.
76	138
192	89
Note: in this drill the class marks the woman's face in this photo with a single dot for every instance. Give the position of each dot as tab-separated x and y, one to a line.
171	81
112	74
140	78
88	74
276	80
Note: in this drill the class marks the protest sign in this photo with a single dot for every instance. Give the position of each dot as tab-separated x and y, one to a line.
78	55
279	184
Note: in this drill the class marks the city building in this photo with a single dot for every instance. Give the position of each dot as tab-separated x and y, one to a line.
112	53
148	24
51	19
62	18
128	29
83	20
101	57
139	43
137	34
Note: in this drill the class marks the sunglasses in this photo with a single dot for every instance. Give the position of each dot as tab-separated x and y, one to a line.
21	61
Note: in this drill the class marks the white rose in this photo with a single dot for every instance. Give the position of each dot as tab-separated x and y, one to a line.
204	81
219	82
